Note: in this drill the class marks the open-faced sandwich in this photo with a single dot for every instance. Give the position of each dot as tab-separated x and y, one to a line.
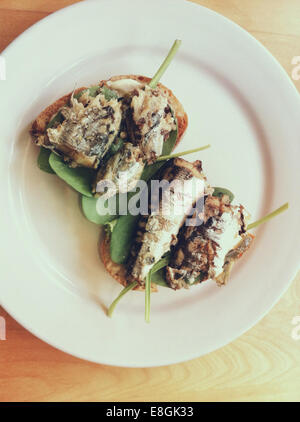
114	129
117	137
191	234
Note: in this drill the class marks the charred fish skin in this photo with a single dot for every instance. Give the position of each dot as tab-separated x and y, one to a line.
201	250
150	121
158	231
88	128
123	169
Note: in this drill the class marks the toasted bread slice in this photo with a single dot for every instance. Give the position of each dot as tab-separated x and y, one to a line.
40	124
117	271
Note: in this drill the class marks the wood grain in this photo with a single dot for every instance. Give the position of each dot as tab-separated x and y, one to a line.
262	365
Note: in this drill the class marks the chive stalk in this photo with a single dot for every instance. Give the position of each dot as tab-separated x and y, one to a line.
180	154
117	300
268	216
154	81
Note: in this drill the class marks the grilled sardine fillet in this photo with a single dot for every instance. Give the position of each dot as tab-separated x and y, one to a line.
202	251
86	129
150	121
123	169
232	256
126	84
158	231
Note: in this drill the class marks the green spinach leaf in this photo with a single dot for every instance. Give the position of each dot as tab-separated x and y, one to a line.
219	192
93	91
89	209
78	178
58	118
122	237
116	146
109	94
157	271
43	160
159	278
79	94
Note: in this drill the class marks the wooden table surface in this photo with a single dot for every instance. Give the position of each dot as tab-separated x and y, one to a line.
262	365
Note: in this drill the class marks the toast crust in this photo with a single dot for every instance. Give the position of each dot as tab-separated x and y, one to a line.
117	271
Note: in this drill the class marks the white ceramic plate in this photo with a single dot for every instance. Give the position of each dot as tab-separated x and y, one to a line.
238	99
